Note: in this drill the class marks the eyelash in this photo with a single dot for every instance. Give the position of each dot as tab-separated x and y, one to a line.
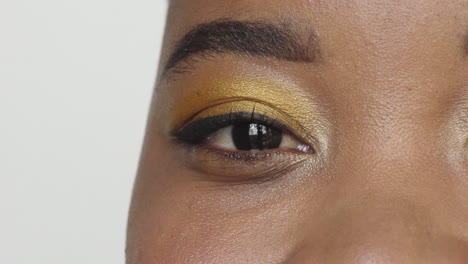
196	131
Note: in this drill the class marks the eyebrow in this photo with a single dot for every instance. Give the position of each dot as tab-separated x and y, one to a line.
256	39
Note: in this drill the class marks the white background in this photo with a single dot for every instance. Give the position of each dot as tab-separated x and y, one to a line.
76	79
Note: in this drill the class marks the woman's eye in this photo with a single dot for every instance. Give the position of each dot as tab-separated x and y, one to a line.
253	137
241	146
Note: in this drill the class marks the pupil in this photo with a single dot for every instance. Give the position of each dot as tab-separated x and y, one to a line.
251	136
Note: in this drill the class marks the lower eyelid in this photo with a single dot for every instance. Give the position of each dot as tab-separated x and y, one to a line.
239	166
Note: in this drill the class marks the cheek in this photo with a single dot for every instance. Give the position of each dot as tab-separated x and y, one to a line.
183	227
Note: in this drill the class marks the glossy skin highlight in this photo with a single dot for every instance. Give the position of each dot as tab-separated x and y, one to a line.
386	106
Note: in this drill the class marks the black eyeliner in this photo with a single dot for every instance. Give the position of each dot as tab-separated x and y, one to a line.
196	131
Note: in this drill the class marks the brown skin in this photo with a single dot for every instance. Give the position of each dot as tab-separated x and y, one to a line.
392	184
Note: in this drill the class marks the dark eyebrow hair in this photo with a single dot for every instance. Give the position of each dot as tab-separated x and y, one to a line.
256	39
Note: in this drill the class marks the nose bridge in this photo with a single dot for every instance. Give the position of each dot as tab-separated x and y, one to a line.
387	156
389	136
380	206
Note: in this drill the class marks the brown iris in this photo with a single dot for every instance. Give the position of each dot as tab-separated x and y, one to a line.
252	136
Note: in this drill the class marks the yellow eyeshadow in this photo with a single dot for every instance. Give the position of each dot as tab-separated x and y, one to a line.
257	108
277	99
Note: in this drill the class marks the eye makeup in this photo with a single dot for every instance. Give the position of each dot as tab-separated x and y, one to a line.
279	100
239	111
210	116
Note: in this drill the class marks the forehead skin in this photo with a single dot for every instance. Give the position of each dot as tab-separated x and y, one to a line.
391	78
